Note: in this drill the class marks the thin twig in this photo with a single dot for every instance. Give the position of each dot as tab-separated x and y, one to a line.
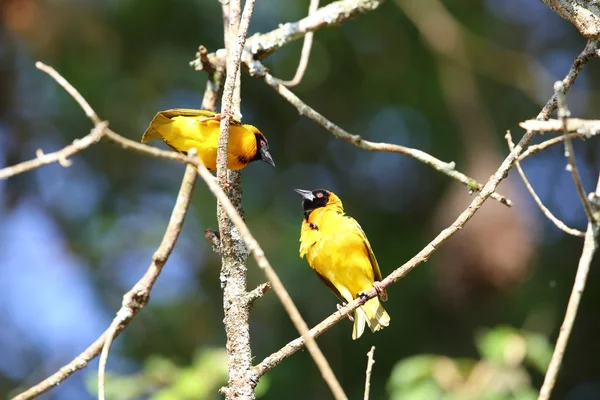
370	362
263	44
446	168
561	225
305	54
563	115
590	51
61	156
258	292
590	246
89	112
112	332
536	148
583	127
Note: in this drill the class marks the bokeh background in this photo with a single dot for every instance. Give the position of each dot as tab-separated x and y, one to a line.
475	322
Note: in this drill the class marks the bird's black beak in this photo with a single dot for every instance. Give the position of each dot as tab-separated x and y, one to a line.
306	194
266	156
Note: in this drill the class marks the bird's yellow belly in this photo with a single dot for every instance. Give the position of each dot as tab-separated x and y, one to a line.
344	264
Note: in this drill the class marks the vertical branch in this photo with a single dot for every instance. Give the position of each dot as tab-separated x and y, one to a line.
370	362
590	246
561	225
563	115
233	251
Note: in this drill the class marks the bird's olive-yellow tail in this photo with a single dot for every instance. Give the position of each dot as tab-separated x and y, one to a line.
151	132
372	314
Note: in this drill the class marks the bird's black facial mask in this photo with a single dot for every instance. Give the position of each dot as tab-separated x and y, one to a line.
312	200
263	150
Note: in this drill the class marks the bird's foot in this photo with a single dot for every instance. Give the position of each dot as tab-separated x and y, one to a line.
380	289
217	117
339	307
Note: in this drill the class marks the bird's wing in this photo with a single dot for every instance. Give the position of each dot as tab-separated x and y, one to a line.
369	251
190	112
186	112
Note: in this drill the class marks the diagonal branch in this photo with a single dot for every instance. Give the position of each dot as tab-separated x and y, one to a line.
563	115
561	225
61	156
448	169
590	246
536	148
591	50
263	44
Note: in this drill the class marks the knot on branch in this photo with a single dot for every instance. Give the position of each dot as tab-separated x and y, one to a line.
214	238
136	299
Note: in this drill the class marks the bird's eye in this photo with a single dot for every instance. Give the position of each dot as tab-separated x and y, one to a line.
263	143
319	195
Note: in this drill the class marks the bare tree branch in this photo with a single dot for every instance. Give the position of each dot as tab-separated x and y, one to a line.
233	254
61	156
263	44
584	14
256	68
536	148
563	115
561	225
582	127
258	292
590	246
305	54
370	362
590	51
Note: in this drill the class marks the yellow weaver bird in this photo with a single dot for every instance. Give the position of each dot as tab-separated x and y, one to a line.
337	248
182	129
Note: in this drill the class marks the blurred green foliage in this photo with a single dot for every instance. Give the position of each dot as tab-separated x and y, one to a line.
500	374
